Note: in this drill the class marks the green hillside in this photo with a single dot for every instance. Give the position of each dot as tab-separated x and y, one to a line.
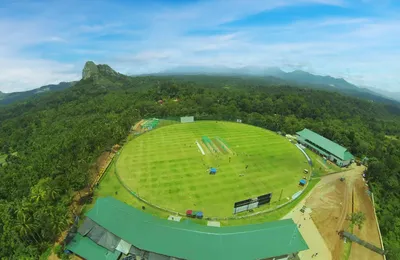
9	98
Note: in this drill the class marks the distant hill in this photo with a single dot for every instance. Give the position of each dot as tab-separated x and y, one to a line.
305	77
9	98
387	94
333	84
247	75
297	78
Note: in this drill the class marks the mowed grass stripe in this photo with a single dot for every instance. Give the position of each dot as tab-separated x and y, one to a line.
166	167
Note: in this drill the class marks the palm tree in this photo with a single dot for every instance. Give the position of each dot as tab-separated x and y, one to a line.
38	194
52	191
58	225
22	210
26	228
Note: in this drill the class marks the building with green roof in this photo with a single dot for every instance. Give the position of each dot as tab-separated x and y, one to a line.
325	147
88	249
150	237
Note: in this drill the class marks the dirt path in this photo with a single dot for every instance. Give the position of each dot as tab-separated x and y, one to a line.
310	234
327	208
369	231
330	203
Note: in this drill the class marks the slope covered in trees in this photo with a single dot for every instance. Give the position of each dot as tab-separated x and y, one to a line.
51	141
9	98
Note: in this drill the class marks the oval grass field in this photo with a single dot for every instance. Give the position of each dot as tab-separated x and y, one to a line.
166	167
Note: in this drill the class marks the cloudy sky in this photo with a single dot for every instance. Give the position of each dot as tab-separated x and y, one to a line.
44	42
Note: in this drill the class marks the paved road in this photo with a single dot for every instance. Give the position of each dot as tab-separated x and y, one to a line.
310	234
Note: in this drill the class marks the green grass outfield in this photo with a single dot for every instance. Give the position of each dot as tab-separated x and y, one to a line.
165	167
110	186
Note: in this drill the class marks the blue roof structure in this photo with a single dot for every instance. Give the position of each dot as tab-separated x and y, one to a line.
303	181
213	170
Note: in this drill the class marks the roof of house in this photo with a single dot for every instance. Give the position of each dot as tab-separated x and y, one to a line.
192	241
332	147
88	249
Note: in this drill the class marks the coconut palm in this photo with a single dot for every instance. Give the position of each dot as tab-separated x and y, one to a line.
26	228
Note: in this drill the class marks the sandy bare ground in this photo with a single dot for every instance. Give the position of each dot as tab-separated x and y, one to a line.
330	202
328	205
369	231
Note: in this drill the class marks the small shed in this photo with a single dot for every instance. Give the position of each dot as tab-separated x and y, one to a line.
199	214
302	182
189	212
213	170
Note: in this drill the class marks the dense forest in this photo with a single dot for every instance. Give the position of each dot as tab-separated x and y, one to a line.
52	140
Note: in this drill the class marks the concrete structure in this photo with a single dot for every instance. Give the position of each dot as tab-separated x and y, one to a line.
325	147
112	228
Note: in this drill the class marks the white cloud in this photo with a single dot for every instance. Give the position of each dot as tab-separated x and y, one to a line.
154	38
312	44
20	75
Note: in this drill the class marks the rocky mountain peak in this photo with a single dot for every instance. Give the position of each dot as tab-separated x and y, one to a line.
91	70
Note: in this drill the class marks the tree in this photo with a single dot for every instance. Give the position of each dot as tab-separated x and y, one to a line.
356	219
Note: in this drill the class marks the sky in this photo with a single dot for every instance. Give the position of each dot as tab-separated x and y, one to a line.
49	41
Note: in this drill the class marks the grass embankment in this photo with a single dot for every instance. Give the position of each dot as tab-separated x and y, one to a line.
321	168
274	215
347	247
110	186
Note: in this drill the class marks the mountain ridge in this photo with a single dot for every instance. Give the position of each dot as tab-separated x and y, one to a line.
271	75
9	98
89	71
297	77
258	71
385	93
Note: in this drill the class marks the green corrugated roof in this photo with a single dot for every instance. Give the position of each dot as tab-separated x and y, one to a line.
318	149
86	248
192	241
334	148
348	156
